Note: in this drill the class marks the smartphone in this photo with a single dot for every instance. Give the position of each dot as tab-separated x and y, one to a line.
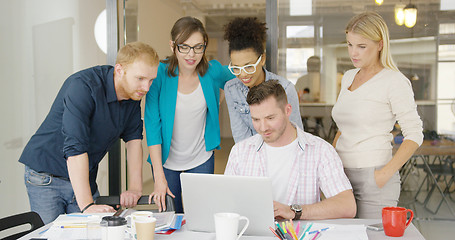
376	227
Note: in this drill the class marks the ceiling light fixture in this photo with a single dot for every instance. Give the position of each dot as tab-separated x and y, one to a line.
410	15
379	2
399	14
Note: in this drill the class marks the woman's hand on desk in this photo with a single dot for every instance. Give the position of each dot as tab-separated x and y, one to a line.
159	195
99	209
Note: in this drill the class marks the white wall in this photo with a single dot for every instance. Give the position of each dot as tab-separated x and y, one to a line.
32	71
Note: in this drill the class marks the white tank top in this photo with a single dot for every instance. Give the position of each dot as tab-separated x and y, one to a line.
188	144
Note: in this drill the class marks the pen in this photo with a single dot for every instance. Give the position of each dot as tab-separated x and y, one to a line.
75	226
291	229
43	231
273	231
278	225
280	233
306	230
297	229
316	235
78	215
320	230
284	227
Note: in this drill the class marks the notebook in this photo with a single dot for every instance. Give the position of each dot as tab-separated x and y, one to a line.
206	194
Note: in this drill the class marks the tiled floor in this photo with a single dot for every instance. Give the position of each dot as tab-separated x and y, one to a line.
432	226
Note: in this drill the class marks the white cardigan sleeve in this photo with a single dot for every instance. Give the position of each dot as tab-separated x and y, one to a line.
403	106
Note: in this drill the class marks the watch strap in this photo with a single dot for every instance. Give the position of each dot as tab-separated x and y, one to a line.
297	213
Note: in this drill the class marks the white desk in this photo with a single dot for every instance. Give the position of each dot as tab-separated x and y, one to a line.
411	232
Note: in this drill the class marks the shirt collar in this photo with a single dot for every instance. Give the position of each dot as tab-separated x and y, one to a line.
267	74
111	95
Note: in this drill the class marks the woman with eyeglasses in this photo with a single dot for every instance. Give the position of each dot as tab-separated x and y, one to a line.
247	37
181	111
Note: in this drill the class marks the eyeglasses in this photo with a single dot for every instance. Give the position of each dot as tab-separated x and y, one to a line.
198	49
248	69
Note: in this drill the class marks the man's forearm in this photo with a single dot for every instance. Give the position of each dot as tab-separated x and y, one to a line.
79	176
134	161
341	205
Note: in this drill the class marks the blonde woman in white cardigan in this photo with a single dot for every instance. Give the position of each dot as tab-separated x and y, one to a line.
373	97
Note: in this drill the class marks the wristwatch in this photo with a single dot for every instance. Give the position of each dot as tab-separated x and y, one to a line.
297	210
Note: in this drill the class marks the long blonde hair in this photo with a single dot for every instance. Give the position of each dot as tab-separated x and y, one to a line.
372	26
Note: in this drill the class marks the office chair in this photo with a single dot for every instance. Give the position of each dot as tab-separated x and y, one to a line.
31	218
439	172
114	201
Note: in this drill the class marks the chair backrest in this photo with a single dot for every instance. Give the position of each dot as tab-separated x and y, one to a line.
31	218
114	201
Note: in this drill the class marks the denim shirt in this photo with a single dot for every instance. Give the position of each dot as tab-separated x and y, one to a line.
239	111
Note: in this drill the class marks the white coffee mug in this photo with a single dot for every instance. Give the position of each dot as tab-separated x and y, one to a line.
113	228
227	225
138	215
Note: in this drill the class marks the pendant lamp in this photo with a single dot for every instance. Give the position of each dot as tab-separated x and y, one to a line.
410	15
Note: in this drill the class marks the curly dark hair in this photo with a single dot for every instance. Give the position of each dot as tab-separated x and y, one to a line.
243	33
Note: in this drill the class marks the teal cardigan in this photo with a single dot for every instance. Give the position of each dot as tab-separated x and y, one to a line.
161	101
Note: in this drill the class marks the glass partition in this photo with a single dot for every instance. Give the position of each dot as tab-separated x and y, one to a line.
420	52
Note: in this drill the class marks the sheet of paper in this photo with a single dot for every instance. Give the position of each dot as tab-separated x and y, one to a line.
338	232
58	233
74	219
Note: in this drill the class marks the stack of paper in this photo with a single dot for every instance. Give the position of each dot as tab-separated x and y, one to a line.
77	219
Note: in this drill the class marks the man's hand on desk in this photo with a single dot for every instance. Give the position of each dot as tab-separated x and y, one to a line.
282	211
99	209
129	198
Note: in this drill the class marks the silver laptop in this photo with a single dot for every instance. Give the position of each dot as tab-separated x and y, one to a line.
206	194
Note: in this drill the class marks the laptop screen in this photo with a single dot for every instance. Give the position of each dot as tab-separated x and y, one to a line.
206	194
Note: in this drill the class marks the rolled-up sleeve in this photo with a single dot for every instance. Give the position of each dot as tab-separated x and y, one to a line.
404	108
331	176
78	105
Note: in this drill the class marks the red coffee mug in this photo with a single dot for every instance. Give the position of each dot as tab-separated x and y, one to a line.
394	220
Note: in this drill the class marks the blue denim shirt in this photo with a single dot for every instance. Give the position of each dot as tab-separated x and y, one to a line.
239	111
